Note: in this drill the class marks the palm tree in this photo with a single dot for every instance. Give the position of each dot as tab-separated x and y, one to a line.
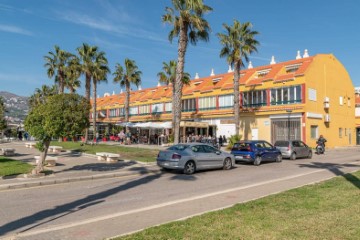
87	55
131	75
40	95
188	25
168	77
72	74
56	63
238	43
100	72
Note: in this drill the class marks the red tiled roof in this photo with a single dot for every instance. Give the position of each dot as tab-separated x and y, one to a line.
249	77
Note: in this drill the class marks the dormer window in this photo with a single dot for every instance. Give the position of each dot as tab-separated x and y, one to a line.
215	80
263	73
197	83
292	68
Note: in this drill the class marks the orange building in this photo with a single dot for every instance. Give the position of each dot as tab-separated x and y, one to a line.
296	99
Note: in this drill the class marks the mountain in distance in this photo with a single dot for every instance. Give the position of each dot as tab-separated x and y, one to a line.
17	107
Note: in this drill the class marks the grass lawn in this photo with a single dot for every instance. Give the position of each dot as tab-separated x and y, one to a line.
130	153
327	210
12	167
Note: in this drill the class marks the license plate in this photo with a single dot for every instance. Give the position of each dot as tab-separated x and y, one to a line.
238	157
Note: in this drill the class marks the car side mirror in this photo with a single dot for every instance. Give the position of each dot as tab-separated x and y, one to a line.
218	152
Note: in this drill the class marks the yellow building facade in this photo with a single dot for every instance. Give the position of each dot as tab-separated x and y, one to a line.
297	99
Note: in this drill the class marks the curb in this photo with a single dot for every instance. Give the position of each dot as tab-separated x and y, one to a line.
75	179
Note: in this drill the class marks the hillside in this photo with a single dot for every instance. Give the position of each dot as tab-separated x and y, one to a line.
16	106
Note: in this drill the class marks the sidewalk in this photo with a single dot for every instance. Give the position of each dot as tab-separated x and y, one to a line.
71	167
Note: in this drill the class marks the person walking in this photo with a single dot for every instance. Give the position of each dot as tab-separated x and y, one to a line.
220	141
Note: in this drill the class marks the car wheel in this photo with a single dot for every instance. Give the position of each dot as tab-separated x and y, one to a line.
293	156
257	161
227	164
310	155
279	158
189	167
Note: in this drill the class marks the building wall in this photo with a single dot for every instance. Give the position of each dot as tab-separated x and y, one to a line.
328	77
324	75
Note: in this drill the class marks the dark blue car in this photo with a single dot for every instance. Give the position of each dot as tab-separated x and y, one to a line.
255	151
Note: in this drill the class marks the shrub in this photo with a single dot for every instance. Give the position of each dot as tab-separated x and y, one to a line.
233	139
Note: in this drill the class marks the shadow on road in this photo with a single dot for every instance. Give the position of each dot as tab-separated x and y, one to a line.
99	167
50	215
336	169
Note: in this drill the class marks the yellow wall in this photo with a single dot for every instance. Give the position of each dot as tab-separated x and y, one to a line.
330	79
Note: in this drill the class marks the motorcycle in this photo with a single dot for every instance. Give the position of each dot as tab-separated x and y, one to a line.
320	149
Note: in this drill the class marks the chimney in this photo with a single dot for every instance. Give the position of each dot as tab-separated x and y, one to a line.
196	76
121	91
306	54
159	85
298	56
230	70
272	60
212	72
250	65
113	92
139	88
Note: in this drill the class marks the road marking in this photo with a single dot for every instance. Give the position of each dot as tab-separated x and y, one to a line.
92	220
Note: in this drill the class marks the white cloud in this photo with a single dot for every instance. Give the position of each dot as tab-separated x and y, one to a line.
14	29
120	29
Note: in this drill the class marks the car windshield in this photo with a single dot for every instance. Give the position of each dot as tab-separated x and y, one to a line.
179	147
282	144
242	146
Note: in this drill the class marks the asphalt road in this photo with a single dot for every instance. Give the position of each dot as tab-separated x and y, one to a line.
109	207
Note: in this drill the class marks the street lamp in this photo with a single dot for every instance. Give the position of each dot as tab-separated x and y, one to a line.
289	113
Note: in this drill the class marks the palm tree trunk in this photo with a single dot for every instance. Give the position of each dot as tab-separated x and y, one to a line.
172	109
87	96
127	101
61	82
94	108
237	97
182	44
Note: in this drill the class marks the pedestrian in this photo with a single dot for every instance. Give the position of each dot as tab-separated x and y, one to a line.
128	137
220	141
224	139
97	137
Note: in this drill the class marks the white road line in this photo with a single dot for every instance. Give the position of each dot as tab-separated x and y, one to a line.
92	220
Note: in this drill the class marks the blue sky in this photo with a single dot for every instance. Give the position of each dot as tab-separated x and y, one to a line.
133	29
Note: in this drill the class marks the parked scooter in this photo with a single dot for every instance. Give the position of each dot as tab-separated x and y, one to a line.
320	149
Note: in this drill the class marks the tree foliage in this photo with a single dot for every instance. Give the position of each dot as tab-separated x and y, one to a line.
61	115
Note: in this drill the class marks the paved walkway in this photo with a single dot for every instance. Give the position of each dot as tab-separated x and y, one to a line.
72	167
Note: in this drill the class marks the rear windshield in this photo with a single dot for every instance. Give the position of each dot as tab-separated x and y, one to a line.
281	144
179	147
241	147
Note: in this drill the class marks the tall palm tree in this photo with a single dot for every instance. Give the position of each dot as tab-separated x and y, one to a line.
238	43
168	77
188	24
100	72
131	75
87	55
72	74
56	63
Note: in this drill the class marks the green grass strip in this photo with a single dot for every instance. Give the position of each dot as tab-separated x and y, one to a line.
327	210
129	153
10	167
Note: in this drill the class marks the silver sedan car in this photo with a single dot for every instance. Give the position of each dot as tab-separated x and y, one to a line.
190	157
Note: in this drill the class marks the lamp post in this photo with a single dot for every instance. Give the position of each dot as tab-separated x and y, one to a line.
288	125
